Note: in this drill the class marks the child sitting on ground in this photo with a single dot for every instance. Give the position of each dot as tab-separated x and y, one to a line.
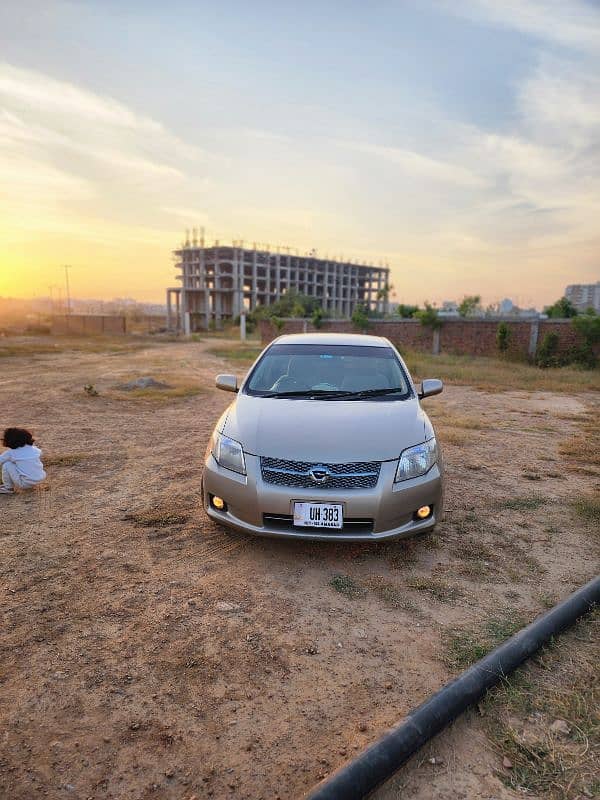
21	463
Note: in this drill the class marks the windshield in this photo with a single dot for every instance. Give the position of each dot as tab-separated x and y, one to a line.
329	372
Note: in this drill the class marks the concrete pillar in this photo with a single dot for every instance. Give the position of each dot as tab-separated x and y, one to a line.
217	293
386	302
268	279
277	277
254	301
237	299
183	306
168	309
534	333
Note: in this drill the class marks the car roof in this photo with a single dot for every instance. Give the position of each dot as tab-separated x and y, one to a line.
356	339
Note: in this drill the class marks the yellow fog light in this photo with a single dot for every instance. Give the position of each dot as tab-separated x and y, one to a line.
424	512
218	503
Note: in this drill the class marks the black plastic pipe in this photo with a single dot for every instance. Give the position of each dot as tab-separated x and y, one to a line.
381	760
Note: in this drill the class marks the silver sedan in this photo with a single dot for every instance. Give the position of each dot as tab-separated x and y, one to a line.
326	439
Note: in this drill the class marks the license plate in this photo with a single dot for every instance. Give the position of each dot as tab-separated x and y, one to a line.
318	515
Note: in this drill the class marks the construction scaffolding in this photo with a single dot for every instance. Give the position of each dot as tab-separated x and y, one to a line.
219	282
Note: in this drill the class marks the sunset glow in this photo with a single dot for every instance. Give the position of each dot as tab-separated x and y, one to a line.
460	146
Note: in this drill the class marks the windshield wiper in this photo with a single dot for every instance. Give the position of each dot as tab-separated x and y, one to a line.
344	395
334	394
301	393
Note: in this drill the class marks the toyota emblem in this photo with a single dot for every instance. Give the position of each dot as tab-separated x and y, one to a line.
319	473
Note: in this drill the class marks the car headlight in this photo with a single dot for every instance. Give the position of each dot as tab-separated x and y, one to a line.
417	460
229	453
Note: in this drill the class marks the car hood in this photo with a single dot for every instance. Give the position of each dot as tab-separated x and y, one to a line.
326	430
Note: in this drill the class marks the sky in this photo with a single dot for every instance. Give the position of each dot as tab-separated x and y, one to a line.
456	140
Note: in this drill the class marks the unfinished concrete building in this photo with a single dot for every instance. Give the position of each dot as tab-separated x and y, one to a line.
219	281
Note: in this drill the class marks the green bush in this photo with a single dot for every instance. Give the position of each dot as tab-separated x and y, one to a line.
547	354
317	317
360	317
588	327
407	311
503	335
469	305
562	309
429	317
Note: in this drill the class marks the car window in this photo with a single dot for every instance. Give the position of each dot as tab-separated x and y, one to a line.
328	368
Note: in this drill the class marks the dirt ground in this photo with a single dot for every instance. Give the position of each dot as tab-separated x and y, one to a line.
147	653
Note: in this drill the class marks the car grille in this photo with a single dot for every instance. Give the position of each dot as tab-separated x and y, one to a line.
357	475
286	521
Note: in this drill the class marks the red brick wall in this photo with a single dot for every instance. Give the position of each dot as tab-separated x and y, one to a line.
478	337
475	337
567	335
88	324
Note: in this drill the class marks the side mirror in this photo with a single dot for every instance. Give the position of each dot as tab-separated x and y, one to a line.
430	386
226	382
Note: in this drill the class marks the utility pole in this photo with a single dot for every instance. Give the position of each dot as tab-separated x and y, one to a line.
67	268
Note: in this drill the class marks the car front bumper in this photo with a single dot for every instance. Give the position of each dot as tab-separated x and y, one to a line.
385	512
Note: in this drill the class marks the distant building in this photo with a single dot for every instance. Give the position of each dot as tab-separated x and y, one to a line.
449	309
219	281
506	306
584	295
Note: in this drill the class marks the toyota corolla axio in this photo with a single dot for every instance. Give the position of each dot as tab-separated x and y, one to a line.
326	439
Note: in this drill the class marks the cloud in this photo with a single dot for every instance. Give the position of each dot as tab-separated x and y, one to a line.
191	215
418	165
574	23
39	110
65	150
560	102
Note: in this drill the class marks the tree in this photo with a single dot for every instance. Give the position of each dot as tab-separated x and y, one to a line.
469	304
291	304
317	317
562	309
588	327
407	311
547	354
384	293
360	317
429	317
503	337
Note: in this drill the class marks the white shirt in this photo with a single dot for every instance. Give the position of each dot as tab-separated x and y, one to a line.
27	460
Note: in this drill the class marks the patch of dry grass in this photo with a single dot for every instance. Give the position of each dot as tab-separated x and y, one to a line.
581	452
544	719
436	588
347	586
158	517
526	503
496	375
177	389
28	346
588	507
441	416
245	353
390	594
464	647
476	560
64	459
450	436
